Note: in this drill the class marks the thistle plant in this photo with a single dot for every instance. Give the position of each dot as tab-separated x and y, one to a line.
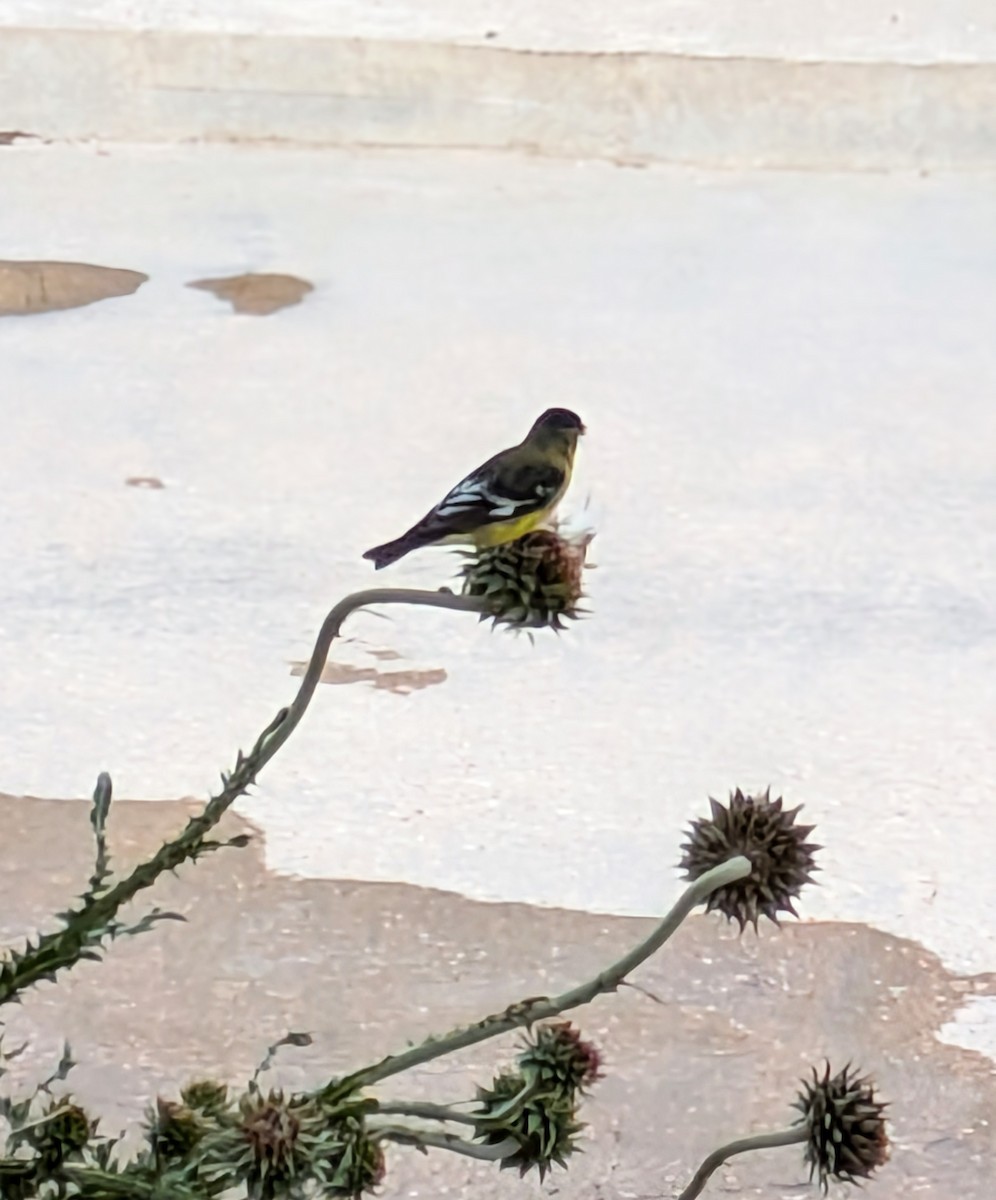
781	858
534	582
842	1128
746	860
844	1124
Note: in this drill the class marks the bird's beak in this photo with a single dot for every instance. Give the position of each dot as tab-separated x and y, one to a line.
583	430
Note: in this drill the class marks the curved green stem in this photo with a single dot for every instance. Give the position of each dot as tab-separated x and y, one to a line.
541	1008
422	1108
503	1113
96	1184
94	920
288	719
424	1138
760	1141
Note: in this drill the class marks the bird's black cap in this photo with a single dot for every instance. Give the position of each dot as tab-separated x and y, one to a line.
560	418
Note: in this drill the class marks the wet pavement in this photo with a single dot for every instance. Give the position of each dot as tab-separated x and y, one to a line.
788	381
711	1047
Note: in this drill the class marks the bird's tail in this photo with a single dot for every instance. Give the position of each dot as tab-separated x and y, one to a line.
390	552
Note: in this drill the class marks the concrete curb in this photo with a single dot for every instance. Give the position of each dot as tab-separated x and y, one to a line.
632	107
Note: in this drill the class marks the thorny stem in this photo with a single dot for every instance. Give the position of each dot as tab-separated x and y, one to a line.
44	1119
504	1112
288	719
106	1183
424	1138
89	924
422	1108
759	1141
541	1008
96	1184
442	1112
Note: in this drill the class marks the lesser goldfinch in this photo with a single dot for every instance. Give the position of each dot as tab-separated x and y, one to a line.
502	499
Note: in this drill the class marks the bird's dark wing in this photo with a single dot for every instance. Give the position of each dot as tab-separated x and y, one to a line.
500	490
496	492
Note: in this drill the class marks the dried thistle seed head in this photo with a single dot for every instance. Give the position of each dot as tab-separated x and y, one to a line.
846	1124
760	829
531	583
62	1132
545	1123
354	1164
557	1058
207	1097
174	1130
271	1129
267	1143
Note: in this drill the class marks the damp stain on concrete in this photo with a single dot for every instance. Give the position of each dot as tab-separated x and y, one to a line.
28	287
402	683
256	294
710	1046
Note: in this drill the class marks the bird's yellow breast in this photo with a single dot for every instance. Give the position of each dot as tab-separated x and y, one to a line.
499	532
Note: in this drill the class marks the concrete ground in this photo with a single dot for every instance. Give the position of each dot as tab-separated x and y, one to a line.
848	86
913	31
788	383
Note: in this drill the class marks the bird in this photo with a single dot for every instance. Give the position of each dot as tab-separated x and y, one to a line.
504	498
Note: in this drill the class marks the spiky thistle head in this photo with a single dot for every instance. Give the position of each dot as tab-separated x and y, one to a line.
276	1145
356	1165
271	1127
173	1130
558	1059
765	833
846	1126
531	583
544	1123
207	1097
61	1133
